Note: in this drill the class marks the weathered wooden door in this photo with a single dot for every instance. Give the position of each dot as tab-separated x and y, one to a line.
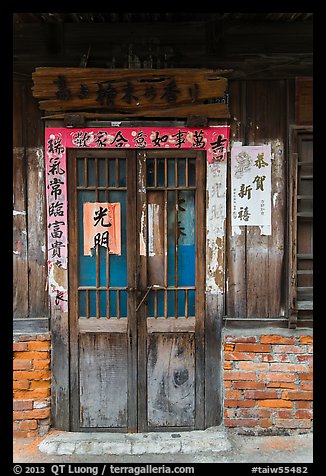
137	318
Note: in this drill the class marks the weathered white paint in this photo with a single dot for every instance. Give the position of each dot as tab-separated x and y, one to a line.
215	225
236	230
142	243
17	212
153	225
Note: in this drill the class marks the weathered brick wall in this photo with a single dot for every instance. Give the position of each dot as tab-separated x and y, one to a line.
268	383
31	369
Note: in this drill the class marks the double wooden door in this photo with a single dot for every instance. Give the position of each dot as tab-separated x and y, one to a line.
137	315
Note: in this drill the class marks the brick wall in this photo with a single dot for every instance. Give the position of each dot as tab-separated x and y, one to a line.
268	383
31	369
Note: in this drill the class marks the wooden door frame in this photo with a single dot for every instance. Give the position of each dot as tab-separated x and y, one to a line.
214	304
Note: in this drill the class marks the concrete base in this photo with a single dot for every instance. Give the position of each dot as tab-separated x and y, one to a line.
212	440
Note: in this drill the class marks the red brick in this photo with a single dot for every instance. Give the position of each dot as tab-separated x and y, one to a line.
243	413
231	339
22	405
228	365
234	375
21	384
19	346
303	404
31	414
252	347
263	412
304	414
22	364
31	375
260	395
233	394
239	356
290	385
285	367
32	394
239	403
276	339
265	423
249	422
28	425
283	414
293	423
306	339
253	366
40	384
249	385
43	337
31	355
277	377
289	349
297	395
308	376
229	347
305	358
277	403
227	384
306	385
25	434
41	364
39	345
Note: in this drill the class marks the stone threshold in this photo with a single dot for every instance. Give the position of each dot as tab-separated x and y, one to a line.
212	439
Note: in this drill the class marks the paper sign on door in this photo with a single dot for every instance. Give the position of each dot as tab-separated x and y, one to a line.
102	227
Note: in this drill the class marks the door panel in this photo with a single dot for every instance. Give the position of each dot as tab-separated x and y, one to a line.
171	379
171	365
137	319
103	380
102	307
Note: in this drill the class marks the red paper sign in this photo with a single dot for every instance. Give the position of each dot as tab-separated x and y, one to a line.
102	227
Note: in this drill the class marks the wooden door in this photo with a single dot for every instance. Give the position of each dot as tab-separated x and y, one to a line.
137	318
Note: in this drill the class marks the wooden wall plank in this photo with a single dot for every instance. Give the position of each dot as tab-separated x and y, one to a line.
20	262
236	294
37	255
266	115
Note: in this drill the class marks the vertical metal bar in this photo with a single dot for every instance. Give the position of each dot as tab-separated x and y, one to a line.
117	173
165	303
118	303
176	181
85	173
165	172
155	303
87	304
108	313
106	172
186	303
187	172
155	172
97	304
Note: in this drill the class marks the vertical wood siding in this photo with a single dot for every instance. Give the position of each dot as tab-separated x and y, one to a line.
256	270
29	220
